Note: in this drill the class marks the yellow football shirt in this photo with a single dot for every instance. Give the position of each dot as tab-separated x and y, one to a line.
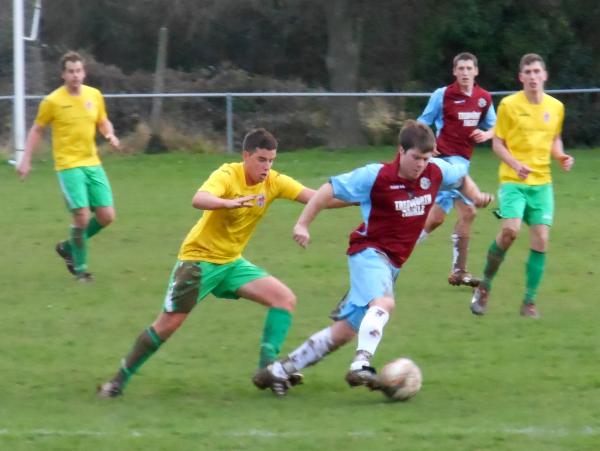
528	131
73	120
221	235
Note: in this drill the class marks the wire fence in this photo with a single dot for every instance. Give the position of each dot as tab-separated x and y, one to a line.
235	111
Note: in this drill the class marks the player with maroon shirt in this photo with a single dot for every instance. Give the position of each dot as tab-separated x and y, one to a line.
394	200
463	114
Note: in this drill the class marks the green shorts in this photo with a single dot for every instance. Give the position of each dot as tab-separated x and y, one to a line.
192	281
534	204
85	186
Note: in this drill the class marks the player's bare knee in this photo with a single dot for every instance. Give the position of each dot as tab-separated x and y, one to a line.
167	323
282	298
106	217
508	235
539	244
81	218
287	302
386	303
468	216
390	307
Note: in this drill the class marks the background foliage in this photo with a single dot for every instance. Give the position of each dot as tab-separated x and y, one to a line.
343	45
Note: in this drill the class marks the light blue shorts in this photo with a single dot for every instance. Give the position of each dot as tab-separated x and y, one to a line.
372	276
445	199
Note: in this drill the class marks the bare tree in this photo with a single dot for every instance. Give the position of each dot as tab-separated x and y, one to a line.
343	62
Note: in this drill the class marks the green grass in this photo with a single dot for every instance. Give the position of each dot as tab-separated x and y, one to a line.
500	382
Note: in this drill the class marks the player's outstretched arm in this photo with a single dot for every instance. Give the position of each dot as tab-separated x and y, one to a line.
33	139
558	153
307	193
317	202
203	200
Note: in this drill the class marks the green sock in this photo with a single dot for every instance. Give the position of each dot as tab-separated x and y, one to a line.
495	256
93	228
277	324
146	344
534	269
78	247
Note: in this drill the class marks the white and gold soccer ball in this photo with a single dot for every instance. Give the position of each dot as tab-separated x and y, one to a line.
401	379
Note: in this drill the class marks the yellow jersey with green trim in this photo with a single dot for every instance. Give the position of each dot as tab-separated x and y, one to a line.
74	119
529	130
221	235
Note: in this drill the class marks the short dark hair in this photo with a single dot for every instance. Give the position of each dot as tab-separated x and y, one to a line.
259	138
530	58
72	57
416	135
464	56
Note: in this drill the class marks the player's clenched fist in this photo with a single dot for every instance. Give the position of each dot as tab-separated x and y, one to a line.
301	235
483	200
566	162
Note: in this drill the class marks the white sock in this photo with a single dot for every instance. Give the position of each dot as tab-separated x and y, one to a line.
278	371
309	352
361	359
454	238
371	327
422	237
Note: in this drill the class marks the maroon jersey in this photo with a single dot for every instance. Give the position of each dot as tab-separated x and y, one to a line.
394	209
456	115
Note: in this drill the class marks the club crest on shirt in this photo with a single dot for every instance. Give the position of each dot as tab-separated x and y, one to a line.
481	102
546	117
425	183
260	200
88	105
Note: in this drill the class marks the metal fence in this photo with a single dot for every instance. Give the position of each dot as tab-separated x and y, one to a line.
231	96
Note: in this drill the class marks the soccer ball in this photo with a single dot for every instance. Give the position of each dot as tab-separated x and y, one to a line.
401	379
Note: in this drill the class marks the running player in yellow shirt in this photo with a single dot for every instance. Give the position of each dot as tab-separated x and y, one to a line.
75	111
527	134
234	198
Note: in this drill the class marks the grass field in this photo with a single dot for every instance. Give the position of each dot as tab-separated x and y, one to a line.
500	382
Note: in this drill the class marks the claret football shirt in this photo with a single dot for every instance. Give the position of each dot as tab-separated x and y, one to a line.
393	209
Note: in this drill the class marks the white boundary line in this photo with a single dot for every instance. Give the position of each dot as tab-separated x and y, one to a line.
532	431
